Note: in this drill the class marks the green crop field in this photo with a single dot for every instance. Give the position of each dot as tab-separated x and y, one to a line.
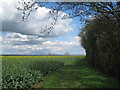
25	71
52	72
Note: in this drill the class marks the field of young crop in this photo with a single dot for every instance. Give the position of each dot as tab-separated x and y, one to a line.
52	72
25	71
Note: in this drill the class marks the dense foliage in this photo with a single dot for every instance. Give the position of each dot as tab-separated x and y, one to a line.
25	71
100	38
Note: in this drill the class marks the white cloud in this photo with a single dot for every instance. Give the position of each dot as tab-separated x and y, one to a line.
12	22
26	38
16	43
91	17
19	39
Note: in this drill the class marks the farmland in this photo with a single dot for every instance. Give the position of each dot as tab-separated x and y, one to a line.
25	71
52	72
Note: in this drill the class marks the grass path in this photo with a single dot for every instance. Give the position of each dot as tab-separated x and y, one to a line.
78	75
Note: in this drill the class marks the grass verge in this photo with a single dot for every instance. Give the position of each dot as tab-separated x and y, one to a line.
78	75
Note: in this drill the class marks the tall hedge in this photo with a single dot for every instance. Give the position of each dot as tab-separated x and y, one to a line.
101	40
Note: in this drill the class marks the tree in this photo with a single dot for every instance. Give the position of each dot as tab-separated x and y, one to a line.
77	9
100	38
92	8
29	6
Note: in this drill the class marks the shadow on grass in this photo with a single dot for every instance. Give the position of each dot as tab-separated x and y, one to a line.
79	75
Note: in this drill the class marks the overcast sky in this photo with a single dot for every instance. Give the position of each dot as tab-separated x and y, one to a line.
19	37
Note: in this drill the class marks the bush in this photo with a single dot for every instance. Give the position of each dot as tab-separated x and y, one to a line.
100	38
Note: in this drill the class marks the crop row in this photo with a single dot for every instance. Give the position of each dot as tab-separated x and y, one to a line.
25	72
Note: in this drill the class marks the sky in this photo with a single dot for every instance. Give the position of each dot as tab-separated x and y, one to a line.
25	37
